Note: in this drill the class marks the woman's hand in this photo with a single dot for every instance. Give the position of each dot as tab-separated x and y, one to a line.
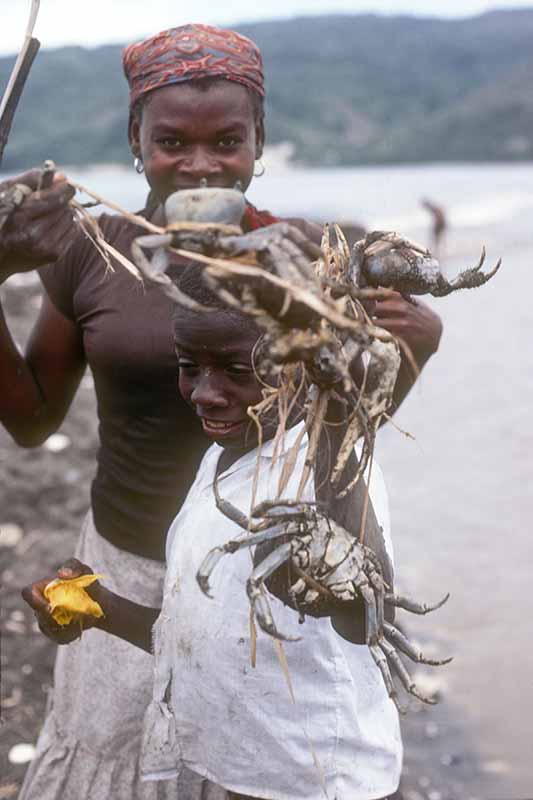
34	596
412	321
41	229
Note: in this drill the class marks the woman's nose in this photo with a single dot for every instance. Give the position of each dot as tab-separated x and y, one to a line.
208	392
201	164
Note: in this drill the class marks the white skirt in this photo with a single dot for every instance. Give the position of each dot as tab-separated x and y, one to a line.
89	746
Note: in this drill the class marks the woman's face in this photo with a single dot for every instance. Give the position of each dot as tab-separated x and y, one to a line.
186	134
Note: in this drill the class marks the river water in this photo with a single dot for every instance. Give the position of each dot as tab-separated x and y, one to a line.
461	497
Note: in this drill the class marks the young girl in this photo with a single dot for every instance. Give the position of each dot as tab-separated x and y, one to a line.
196	112
211	712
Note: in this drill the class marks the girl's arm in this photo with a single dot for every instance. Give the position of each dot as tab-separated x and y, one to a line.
128	620
122	617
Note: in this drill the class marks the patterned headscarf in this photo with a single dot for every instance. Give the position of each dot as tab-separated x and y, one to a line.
189	52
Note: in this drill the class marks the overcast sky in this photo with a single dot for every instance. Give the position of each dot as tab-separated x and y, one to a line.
94	22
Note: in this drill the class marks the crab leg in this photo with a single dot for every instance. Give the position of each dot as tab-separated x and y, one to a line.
315	418
305	245
213	557
373	631
291	249
280	262
400	641
235	515
257	595
155	270
399	667
357	427
400	601
381	660
376	396
228	509
262	509
363	463
376	581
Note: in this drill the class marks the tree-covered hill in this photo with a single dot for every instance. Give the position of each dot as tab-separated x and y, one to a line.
344	89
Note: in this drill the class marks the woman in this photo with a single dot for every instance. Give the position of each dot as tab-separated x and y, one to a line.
196	112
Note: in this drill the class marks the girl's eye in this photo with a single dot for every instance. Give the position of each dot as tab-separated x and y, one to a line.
239	369
185	363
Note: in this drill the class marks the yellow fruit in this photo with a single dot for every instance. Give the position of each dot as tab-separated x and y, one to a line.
69	601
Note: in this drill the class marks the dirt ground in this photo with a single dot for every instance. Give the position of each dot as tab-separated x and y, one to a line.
44	497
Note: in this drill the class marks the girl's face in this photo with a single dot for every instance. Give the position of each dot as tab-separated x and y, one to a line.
216	376
186	133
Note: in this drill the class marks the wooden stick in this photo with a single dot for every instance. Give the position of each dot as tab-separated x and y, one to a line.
18	77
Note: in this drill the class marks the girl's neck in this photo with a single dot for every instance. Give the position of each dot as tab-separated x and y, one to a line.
228	457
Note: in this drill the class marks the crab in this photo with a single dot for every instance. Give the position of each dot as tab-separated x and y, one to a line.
309	320
311	313
11	198
326	567
387	259
206	221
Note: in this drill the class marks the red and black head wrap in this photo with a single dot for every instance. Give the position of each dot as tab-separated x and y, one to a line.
188	53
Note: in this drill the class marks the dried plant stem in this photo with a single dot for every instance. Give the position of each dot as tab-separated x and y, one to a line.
253	640
107	251
364	515
135	218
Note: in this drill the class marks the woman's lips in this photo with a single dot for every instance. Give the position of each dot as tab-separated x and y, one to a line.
214	427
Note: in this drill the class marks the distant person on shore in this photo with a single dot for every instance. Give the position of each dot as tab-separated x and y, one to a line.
438	227
196	114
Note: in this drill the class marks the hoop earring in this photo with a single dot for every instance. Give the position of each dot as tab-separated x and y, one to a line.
262	168
138	165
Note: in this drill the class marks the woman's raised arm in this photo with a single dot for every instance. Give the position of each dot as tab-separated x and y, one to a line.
38	387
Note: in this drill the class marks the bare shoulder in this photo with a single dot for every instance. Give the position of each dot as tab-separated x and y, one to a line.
313	230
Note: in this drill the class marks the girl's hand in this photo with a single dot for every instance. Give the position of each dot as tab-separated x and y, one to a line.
34	596
41	229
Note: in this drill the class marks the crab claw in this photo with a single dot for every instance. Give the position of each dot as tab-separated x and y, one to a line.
255	588
263	612
440	603
412	689
206	568
486	276
471	278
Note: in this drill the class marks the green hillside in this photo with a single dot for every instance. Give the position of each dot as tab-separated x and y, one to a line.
344	89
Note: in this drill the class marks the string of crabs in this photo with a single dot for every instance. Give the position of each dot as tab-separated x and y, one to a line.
309	303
